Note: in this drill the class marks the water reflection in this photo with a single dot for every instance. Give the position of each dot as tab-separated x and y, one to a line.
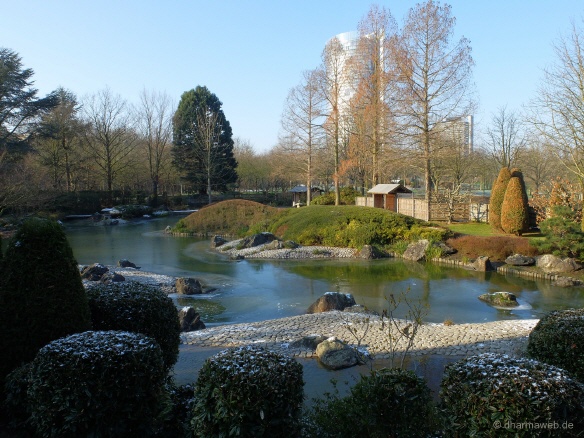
256	290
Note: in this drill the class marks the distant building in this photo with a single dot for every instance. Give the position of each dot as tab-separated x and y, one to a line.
460	130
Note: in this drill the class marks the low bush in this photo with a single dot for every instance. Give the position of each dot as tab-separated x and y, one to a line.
563	235
248	391
106	384
494	395
140	308
134	211
178	411
497	248
558	339
16	403
389	402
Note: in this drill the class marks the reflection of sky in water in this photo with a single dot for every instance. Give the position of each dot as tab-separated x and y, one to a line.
257	290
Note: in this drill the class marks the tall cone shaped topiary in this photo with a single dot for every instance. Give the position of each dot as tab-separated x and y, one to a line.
514	211
42	297
497	195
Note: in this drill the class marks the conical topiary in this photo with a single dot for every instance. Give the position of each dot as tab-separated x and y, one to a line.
497	195
514	211
41	296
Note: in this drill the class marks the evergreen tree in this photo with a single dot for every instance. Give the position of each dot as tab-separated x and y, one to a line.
203	144
497	195
41	295
514	210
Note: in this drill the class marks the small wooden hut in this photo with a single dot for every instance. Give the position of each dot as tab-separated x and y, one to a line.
299	194
385	195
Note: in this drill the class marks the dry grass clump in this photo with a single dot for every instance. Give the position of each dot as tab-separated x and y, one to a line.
497	248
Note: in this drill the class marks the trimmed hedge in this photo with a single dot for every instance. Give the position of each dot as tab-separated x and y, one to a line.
494	395
497	196
41	295
515	206
106	384
389	402
140	308
558	339
248	391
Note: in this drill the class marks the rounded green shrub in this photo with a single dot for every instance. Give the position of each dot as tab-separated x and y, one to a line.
388	402
558	339
140	308
101	384
179	408
41	295
515	207
248	391
494	395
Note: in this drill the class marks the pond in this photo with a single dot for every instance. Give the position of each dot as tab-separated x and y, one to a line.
254	290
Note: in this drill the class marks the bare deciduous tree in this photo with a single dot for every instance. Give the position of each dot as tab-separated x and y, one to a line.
155	128
333	81
434	75
110	138
302	123
505	138
558	110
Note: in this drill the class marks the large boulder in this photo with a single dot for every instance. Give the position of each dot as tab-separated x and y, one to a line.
190	320
482	264
188	286
257	240
520	260
553	264
500	299
94	272
416	251
331	301
335	354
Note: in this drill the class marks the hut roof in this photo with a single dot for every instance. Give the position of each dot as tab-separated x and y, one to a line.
298	189
384	189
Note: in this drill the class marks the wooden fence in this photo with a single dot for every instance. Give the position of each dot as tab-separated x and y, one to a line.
437	211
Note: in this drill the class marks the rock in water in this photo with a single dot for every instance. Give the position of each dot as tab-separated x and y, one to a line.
331	301
190	320
335	354
188	286
500	299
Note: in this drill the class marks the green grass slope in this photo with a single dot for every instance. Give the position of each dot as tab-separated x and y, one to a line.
351	226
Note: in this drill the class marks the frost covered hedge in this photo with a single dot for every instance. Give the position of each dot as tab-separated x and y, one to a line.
388	402
41	294
248	391
140	308
101	384
558	339
495	395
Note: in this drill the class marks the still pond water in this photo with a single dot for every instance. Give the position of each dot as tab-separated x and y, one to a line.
253	290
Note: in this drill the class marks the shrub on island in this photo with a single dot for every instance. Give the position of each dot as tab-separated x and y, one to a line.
388	402
488	394
106	384
558	339
248	391
41	294
140	308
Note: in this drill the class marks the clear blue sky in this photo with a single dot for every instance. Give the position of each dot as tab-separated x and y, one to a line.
250	53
